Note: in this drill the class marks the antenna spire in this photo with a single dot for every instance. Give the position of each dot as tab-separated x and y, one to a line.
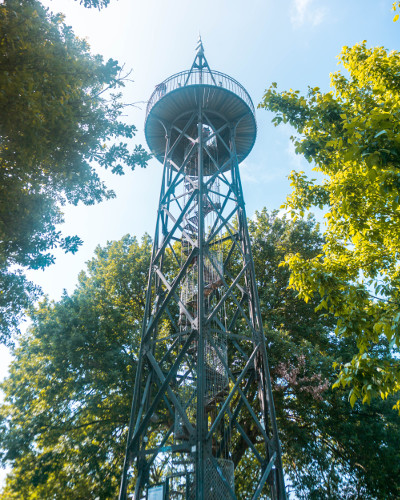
200	63
199	48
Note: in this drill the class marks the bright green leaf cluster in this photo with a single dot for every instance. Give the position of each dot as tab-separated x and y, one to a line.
396	5
352	135
60	117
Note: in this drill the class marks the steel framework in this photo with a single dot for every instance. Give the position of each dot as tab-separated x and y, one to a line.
202	411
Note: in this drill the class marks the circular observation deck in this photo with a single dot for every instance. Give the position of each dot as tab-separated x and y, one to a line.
224	100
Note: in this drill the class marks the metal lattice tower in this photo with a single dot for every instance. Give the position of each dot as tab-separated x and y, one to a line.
202	411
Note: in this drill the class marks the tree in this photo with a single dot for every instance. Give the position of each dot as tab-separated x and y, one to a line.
395	6
76	372
352	136
66	409
99	4
60	118
329	451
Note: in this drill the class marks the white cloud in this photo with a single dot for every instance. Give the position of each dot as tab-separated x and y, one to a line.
300	8
304	12
260	173
246	175
295	159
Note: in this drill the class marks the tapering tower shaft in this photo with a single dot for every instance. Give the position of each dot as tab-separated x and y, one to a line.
202	407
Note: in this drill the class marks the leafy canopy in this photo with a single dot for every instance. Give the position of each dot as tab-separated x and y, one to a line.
67	401
99	4
73	382
60	119
396	5
351	134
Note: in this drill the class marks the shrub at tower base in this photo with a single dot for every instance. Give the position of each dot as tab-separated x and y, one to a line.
68	395
352	134
59	120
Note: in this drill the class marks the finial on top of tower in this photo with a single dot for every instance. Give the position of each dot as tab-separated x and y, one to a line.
199	47
200	61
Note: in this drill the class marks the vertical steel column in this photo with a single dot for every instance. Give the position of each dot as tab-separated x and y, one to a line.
200	451
266	394
135	409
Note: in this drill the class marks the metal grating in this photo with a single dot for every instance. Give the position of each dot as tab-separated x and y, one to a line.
216	487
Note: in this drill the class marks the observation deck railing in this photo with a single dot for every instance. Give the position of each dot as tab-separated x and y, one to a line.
197	77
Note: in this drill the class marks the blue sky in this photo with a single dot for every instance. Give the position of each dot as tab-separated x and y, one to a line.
291	42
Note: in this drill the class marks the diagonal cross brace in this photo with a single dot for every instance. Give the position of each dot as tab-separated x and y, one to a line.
171	394
181	304
226	294
264	477
221	475
174	228
242	395
154	320
232	393
161	392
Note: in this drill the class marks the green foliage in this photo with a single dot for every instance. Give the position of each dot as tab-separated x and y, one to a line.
71	384
99	4
17	295
329	450
352	136
396	5
67	399
59	120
